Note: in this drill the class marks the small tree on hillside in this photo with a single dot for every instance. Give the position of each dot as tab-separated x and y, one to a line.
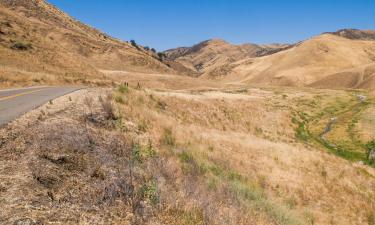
133	43
162	56
153	50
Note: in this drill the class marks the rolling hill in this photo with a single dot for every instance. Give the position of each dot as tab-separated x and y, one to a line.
328	60
39	42
208	55
342	59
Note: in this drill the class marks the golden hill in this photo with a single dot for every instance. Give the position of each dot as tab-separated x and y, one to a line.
206	56
343	59
38	42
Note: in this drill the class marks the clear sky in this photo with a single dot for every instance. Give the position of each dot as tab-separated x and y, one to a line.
165	24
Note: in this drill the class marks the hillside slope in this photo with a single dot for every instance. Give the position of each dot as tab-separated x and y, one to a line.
37	40
211	54
329	60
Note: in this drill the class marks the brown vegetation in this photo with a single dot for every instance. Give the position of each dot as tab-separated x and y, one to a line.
223	156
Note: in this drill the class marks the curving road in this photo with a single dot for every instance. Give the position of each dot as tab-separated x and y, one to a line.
15	102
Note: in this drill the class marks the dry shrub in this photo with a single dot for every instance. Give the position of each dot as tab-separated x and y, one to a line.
108	107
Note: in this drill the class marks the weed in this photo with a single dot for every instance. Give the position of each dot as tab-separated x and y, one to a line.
371	218
119	99
98	173
161	105
168	137
302	133
256	198
136	153
123	89
212	183
107	107
233	175
370	146
142	126
258	131
150	191
291	203
150	150
21	46
216	170
186	157
323	172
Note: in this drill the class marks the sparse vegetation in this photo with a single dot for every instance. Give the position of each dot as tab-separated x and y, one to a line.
107	106
180	150
21	46
134	44
168	138
123	89
161	56
149	156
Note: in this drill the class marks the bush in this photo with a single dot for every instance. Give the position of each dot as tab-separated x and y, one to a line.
21	46
370	146
123	89
168	138
133	43
107	107
150	191
119	99
162	55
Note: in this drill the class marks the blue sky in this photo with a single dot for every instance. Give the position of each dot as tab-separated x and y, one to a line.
165	24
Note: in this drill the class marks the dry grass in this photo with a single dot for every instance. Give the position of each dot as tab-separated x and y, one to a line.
221	156
254	138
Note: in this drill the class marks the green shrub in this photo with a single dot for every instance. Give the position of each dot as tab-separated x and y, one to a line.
123	89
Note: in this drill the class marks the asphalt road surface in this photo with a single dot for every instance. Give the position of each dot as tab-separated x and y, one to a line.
15	102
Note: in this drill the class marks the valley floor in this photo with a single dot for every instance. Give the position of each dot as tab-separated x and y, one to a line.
177	150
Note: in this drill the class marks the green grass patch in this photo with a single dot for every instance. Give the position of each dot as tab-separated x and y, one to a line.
256	198
302	133
123	89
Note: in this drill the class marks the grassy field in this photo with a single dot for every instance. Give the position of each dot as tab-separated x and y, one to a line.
332	123
154	152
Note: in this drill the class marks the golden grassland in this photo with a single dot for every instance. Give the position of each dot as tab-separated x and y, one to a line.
180	155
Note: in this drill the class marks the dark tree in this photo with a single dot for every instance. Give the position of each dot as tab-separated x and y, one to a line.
133	43
162	55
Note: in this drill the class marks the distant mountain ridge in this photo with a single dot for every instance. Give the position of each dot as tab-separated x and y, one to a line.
213	53
341	59
355	34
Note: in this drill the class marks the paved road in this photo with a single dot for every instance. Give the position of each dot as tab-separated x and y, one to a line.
15	102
